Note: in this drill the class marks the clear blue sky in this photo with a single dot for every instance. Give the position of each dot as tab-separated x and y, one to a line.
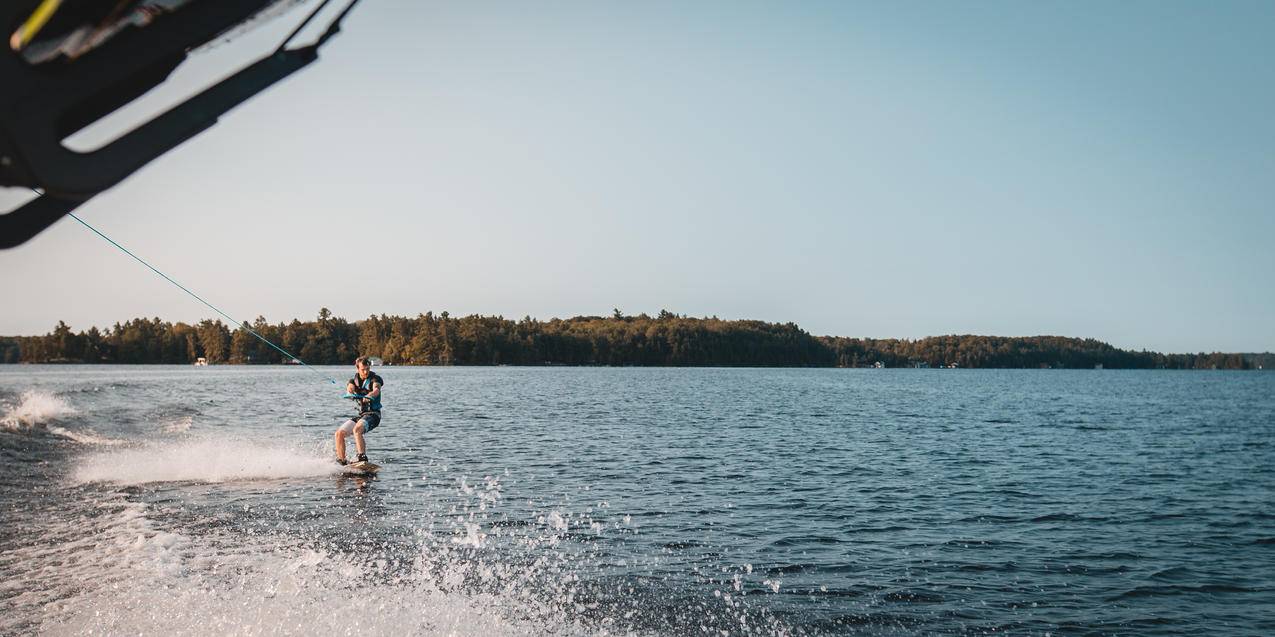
1086	169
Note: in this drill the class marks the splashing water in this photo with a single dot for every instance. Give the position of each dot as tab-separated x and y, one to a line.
178	425
38	410
273	584
203	460
35	409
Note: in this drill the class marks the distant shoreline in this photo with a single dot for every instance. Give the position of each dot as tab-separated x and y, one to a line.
666	340
596	366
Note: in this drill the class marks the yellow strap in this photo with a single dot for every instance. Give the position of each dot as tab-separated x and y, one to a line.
32	26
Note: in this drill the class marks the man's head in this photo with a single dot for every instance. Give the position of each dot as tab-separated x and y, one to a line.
363	365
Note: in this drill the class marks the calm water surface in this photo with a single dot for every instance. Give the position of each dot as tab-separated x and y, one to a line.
166	500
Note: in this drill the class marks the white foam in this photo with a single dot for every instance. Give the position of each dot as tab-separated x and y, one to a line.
101	551
201	460
109	569
38	410
86	436
126	576
35	409
178	425
118	572
557	522
473	536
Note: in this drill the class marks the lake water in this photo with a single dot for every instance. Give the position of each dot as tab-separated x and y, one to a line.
596	501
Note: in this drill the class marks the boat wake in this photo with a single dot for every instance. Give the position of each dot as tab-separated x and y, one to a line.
35	409
39	411
206	460
128	575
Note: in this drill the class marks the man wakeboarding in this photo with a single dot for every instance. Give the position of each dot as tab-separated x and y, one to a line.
365	387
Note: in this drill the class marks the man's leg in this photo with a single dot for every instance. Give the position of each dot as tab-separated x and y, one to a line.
358	439
341	433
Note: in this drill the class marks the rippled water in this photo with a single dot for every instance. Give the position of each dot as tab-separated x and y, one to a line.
161	500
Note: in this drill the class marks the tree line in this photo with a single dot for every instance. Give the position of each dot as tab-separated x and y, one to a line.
667	339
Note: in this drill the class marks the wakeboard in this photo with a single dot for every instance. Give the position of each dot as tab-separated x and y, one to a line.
363	468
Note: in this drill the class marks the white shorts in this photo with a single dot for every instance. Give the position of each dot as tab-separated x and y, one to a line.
370	420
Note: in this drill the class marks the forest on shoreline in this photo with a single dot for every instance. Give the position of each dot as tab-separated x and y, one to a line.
617	340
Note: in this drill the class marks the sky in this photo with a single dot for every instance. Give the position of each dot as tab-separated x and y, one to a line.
899	169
